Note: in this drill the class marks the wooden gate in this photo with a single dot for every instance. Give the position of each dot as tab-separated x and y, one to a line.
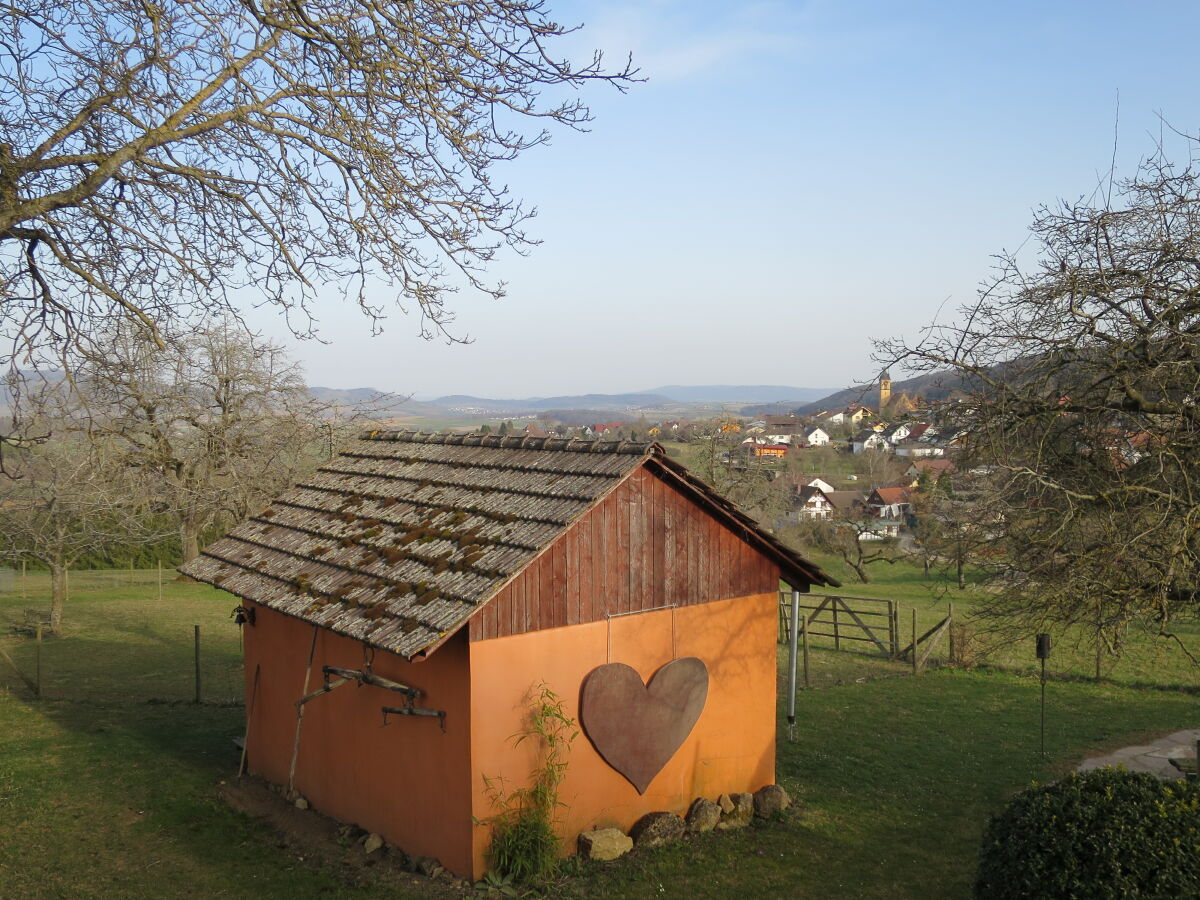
854	619
858	620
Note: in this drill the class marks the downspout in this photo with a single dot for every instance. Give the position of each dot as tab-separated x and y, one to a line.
792	660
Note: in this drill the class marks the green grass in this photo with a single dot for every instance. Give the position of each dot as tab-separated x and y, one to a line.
105	793
120	642
897	779
1146	658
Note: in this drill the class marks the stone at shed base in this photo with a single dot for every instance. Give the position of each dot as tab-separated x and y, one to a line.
726	804
300	803
424	865
372	843
656	829
703	815
740	815
770	800
604	844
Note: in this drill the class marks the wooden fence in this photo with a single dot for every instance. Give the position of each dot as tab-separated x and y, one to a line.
869	620
863	620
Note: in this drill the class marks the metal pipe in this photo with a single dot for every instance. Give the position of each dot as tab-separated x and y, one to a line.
795	636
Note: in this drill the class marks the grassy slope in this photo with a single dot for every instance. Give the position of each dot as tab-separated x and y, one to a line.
898	775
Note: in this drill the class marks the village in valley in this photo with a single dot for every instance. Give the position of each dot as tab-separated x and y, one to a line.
926	627
854	469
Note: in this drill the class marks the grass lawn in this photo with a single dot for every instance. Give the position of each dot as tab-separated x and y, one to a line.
107	791
1147	659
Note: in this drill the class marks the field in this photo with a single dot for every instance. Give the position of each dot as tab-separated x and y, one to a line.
108	786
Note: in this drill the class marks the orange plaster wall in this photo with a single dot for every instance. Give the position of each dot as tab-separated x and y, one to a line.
730	749
409	782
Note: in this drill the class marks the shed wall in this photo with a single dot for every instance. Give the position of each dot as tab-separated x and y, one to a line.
643	546
730	749
408	782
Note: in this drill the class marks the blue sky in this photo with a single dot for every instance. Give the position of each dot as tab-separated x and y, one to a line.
793	180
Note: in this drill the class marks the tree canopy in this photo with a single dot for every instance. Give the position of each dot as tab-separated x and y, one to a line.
163	162
1083	369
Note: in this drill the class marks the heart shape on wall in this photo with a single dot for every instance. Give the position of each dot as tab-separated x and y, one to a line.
638	727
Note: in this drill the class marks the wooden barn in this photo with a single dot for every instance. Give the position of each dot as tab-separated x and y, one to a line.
417	590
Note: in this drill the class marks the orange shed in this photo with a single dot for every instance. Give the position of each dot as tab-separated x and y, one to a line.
417	590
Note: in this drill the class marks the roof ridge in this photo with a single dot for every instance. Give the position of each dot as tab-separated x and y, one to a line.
510	441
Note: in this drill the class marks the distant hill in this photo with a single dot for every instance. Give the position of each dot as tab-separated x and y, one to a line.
623	402
738	393
656	399
934	386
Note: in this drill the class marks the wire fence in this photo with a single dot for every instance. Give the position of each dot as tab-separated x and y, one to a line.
137	636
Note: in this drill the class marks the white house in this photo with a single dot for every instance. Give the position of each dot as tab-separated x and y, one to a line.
870	440
813	504
919	449
816	436
813	481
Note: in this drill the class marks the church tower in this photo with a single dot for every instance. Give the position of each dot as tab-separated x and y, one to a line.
885	390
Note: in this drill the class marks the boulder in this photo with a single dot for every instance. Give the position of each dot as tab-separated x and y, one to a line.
425	865
725	803
656	828
604	844
703	815
770	801
740	815
372	842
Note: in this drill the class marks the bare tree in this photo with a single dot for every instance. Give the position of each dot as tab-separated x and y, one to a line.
70	498
958	525
856	541
750	481
1083	370
164	162
215	423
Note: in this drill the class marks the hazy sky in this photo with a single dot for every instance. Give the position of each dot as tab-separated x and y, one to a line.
794	179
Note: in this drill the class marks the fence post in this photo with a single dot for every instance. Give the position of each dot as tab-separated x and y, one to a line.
792	664
37	663
914	643
950	632
24	597
893	636
837	638
804	632
197	633
160	580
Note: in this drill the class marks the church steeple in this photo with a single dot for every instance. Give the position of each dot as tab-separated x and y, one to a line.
885	390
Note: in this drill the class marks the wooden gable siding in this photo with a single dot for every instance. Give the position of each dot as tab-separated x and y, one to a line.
644	546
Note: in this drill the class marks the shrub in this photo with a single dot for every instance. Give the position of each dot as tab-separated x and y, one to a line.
1100	834
525	846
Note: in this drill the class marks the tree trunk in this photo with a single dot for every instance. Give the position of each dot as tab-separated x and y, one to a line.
860	569
189	539
58	595
962	582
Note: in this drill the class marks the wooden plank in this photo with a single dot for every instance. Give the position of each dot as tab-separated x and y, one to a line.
934	637
869	633
582	610
558	607
656	518
667	506
639	546
623	558
612	510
